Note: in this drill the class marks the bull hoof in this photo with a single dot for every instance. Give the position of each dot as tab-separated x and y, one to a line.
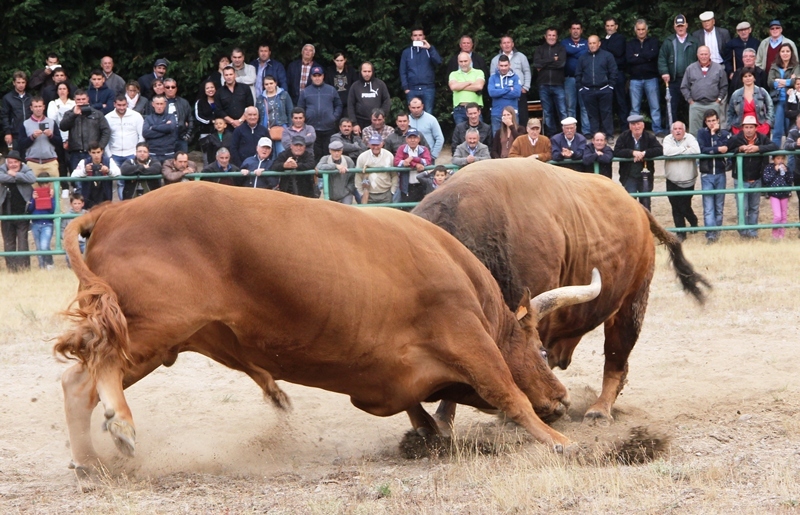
553	415
598	418
280	400
124	436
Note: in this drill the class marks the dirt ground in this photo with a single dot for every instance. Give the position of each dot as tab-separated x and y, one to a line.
718	382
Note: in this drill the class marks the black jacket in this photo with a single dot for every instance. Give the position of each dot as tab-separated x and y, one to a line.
624	147
551	70
596	70
15	110
185	117
366	96
302	185
752	167
85	129
641	58
233	103
615	44
132	167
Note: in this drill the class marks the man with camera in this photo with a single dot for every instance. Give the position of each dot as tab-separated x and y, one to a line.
38	141
97	164
85	125
43	77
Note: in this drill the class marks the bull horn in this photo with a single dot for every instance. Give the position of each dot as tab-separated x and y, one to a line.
549	301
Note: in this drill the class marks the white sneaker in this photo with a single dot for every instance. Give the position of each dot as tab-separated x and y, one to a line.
65	193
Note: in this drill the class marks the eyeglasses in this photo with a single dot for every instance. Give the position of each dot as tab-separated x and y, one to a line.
170	87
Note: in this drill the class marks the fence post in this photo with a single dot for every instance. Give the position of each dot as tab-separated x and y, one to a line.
740	207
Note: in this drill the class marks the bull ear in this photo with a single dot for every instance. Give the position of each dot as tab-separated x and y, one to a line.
549	301
524	305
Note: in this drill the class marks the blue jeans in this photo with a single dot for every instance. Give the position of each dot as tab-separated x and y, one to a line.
42	234
751	202
713	204
650	89
121	184
427	94
641	185
779	127
459	114
598	104
573	102
554	107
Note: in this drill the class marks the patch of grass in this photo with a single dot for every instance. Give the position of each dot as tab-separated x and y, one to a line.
384	490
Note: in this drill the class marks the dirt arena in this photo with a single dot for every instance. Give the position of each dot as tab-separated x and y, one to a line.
718	382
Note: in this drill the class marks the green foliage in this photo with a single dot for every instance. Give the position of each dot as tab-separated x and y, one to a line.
191	34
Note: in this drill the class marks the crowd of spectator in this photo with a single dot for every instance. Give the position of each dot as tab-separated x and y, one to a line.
736	94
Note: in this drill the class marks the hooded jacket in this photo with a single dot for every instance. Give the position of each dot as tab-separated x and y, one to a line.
418	67
505	91
366	96
323	107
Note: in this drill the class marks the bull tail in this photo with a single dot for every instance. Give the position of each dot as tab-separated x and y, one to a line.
689	278
99	333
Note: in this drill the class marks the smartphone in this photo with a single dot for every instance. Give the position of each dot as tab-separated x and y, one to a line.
417	43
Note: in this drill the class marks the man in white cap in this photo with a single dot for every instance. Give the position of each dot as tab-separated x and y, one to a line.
569	144
258	163
715	38
376	187
750	141
732	55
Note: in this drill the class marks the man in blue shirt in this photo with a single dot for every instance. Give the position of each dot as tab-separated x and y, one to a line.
575	46
418	70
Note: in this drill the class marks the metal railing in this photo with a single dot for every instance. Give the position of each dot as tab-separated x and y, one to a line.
739	192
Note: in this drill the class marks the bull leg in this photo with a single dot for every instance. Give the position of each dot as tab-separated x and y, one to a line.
444	417
267	383
81	396
422	421
80	399
493	381
621	331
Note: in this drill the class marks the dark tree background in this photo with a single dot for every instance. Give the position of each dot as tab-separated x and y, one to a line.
192	33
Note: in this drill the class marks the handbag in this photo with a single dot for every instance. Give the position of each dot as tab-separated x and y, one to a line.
276	132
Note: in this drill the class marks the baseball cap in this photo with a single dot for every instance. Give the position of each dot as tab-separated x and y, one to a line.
376	139
317	70
298	140
161	62
680	20
265	142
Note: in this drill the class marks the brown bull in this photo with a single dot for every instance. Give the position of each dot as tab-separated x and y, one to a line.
538	226
376	304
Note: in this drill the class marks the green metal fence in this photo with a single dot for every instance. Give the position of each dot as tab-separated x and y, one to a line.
739	192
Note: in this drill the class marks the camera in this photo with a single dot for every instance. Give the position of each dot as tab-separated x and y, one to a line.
86	110
96	168
43	126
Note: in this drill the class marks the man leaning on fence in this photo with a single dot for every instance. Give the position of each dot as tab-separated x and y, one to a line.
642	146
750	141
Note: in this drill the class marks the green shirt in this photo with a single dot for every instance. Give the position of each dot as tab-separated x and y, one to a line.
460	97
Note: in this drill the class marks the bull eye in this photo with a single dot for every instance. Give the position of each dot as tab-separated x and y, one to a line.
544	353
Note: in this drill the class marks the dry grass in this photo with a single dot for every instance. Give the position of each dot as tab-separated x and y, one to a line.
719	381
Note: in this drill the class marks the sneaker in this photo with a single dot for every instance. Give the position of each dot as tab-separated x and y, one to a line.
65	193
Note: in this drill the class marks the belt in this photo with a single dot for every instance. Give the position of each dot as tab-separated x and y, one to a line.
41	161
